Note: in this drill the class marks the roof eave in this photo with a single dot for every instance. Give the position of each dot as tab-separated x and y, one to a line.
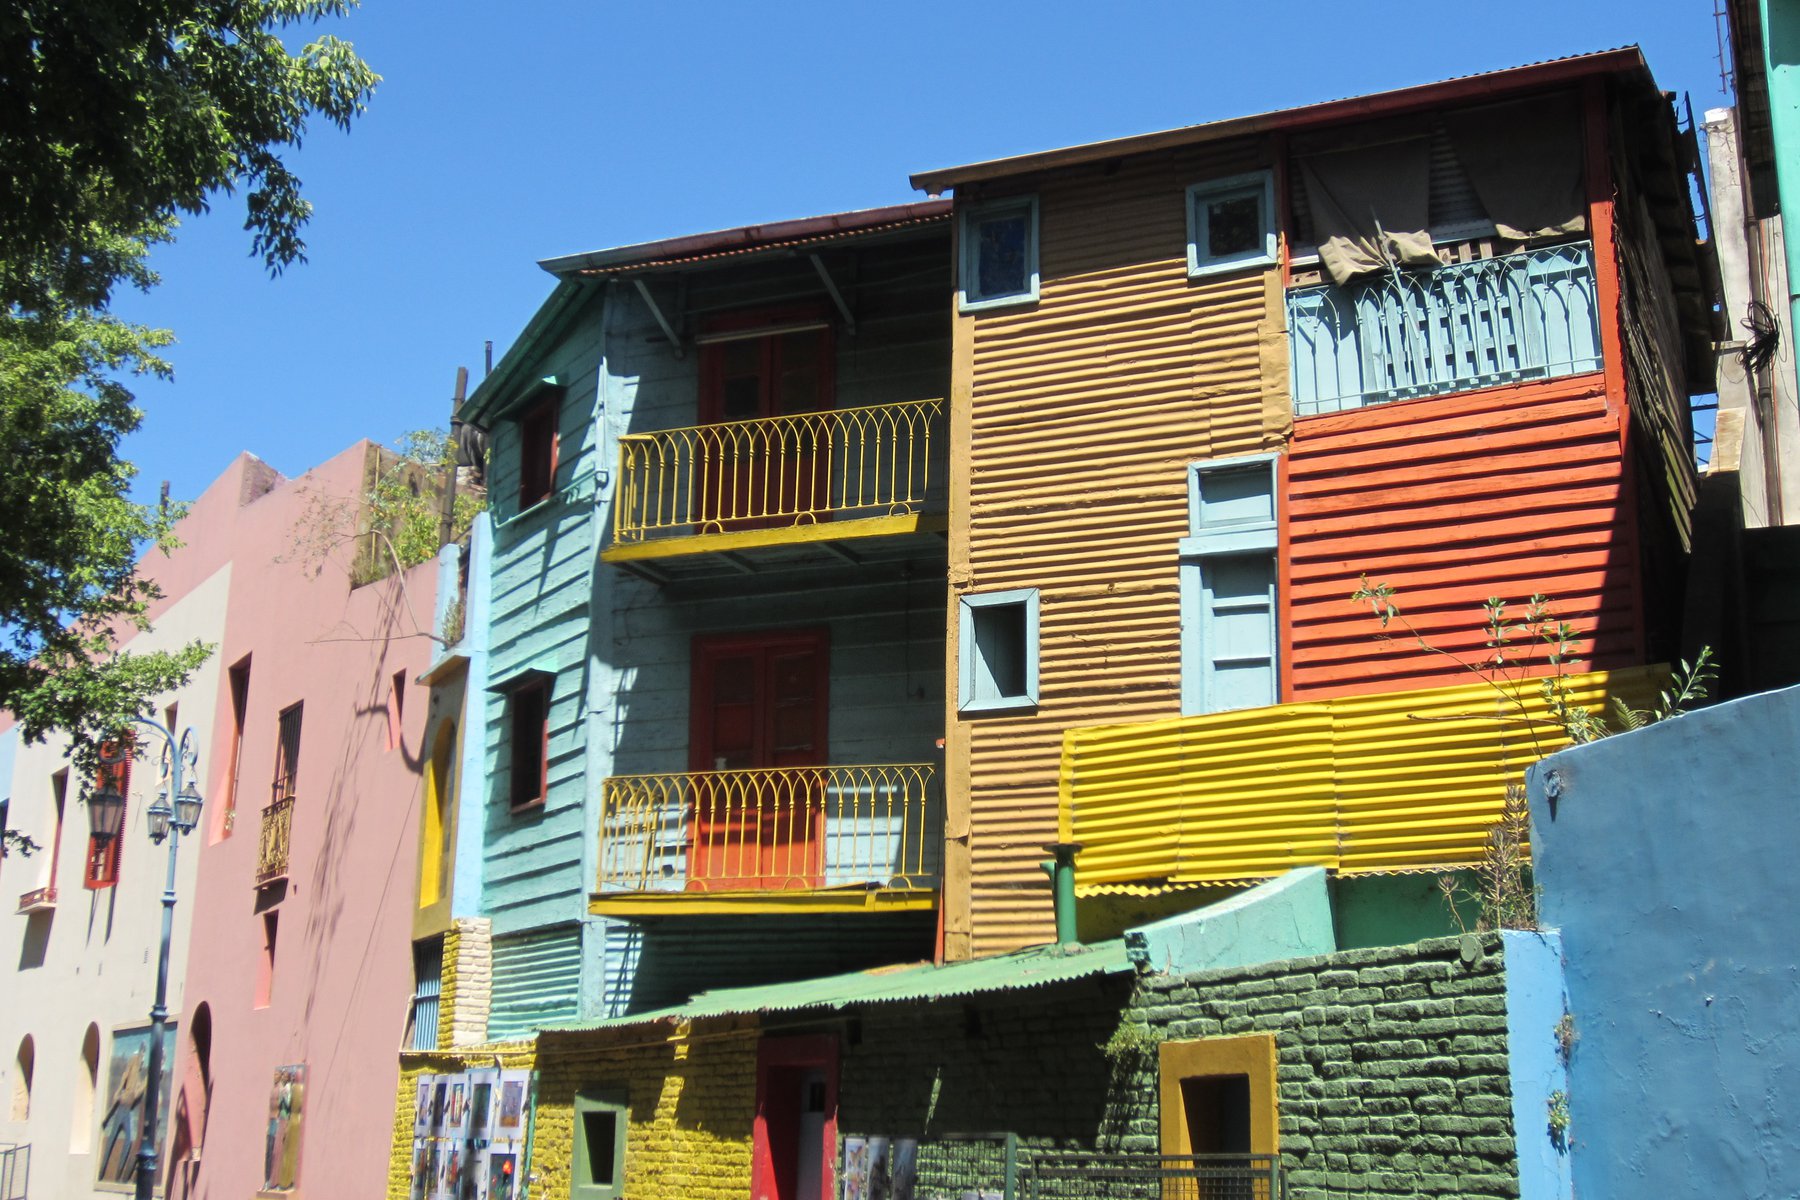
1626	59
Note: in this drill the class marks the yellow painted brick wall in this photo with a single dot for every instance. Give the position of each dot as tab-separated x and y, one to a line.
692	1099
513	1056
447	987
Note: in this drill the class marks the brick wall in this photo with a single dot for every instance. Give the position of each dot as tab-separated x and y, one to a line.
468	986
1392	1066
692	1100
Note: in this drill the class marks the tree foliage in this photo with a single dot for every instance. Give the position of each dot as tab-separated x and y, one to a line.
119	116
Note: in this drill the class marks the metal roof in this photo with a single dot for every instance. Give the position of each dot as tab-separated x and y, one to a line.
1038	966
749	239
1625	59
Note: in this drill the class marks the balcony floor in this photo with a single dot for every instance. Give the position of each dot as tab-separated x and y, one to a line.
787	547
856	899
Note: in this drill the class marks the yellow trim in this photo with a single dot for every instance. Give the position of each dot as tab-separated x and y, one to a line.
788	535
1252	1055
696	904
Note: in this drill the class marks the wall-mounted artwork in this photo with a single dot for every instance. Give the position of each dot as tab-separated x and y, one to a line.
469	1133
122	1114
287	1114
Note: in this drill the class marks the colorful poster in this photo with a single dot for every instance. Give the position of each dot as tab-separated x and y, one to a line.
469	1131
287	1114
502	1176
512	1106
122	1114
422	1107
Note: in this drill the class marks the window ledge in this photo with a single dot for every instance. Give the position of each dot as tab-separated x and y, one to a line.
1001	705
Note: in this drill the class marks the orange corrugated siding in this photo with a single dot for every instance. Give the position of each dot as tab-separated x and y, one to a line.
1506	492
1084	412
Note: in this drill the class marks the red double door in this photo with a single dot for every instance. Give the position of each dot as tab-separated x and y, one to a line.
756	475
759	701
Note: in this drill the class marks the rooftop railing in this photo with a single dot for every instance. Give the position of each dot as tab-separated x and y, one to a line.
774	471
773	829
1532	315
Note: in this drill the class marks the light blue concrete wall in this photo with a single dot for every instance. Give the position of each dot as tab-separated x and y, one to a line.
466	881
1666	859
1535	1004
1287	917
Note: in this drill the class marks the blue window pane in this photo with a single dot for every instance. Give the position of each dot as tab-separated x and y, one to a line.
1000	258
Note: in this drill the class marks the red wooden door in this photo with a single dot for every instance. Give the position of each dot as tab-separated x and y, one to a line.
755	475
759	701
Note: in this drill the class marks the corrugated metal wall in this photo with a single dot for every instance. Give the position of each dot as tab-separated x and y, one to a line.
1085	410
1402	781
1507	492
537	981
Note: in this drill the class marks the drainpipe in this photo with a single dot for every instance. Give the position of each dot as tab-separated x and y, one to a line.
1781	55
1061	870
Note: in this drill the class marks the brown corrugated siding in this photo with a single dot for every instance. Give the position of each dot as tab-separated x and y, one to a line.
1085	411
1506	492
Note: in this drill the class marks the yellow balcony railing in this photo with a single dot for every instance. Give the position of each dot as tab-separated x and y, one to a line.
1399	781
775	829
873	461
272	847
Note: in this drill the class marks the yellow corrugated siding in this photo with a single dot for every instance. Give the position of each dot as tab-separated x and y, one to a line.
1392	782
1083	412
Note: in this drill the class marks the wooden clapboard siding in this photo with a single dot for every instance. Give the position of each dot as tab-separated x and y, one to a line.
1507	492
1083	412
533	872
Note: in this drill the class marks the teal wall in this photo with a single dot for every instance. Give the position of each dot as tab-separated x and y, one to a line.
618	645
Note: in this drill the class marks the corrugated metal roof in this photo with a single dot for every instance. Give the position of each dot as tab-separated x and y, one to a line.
1544	73
1039	966
749	239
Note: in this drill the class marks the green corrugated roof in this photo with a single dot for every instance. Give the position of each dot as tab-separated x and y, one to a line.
1039	966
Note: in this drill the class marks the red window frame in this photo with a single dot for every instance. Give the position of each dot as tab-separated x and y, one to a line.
102	870
766	327
538	445
529	722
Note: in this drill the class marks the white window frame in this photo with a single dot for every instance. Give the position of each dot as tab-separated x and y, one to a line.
967	607
968	299
1258	183
1217	540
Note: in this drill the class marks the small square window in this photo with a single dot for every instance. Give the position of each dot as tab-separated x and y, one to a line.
999	254
998	652
538	448
1231	223
601	1122
530	726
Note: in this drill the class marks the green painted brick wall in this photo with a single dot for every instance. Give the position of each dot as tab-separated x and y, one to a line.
1392	1066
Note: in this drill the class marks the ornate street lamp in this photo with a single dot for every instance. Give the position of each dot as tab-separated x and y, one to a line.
106	812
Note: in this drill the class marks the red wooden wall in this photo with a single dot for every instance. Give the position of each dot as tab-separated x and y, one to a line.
1450	500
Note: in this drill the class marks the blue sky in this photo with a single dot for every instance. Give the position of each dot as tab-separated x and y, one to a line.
507	133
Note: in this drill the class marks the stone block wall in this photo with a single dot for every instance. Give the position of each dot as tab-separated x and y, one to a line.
1392	1068
692	1095
468	983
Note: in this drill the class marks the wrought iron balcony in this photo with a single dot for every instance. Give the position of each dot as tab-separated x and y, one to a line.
1468	325
780	829
38	900
776	473
272	848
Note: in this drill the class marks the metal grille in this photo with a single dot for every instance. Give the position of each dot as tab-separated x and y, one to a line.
15	1170
868	461
428	987
287	755
1466	325
1151	1177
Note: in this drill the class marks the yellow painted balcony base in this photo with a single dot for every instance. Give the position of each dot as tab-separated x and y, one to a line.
785	535
1400	781
752	903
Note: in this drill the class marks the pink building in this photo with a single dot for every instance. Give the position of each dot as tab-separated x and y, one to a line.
299	971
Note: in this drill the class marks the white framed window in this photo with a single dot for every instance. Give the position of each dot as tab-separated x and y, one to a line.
997	651
1228	587
1231	223
999	254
